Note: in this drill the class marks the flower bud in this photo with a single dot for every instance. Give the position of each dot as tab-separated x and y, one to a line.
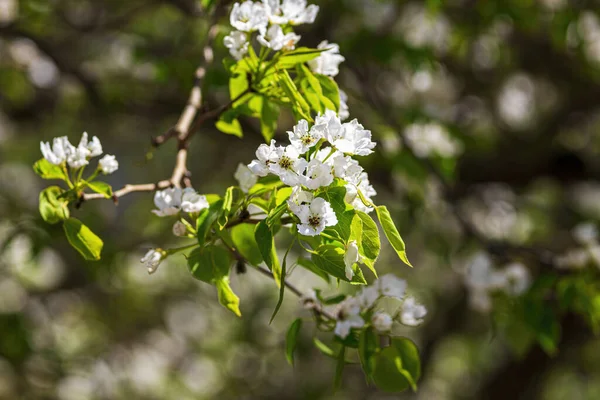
179	229
382	322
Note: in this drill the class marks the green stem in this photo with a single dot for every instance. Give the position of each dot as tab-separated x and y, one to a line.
333	150
169	252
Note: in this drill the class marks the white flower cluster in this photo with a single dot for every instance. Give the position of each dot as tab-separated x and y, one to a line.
306	164
273	20
268	18
351	312
173	200
586	234
431	139
76	157
482	279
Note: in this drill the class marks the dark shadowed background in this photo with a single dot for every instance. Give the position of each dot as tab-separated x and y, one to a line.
497	101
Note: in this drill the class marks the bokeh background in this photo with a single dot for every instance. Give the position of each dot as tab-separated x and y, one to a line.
497	100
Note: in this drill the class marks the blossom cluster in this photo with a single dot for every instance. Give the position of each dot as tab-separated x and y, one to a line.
62	151
315	157
273	21
173	200
482	278
588	251
354	311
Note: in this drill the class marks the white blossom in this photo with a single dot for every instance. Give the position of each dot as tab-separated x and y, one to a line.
179	229
586	233
237	43
299	198
351	256
344	112
275	39
288	166
192	202
327	63
349	137
167	201
391	286
412	313
302	138
265	155
360	182
518	279
368	296
348	316
318	174
77	157
315	217
431	139
382	322
94	146
108	164
347	168
152	259
245	177
58	153
294	12
249	16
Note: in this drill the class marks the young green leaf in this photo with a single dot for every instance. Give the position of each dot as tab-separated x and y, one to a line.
323	348
367	347
264	239
53	209
268	119
387	367
411	362
83	239
291	339
309	265
298	56
243	239
206	219
281	281
101	187
230	125
339	368
227	297
391	232
226	207
330	90
46	170
330	259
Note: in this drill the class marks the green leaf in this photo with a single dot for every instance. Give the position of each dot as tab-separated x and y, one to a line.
330	89
299	104
344	213
101	187
83	239
330	259
229	124
226	207
264	240
370	243
268	119
339	368
411	362
227	297
323	348
391	232
309	265
281	280
294	57
367	347
238	83
291	339
242	236
387	367
46	170
206	219
211	265
53	209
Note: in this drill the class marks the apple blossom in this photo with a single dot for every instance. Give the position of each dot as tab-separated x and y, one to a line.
152	259
294	12
348	316
94	146
368	296
249	16
237	43
351	256
167	201
302	138
77	157
108	164
192	202
288	165
275	39
299	198
412	313
246	179
391	286
327	63
382	322
318	174
517	278
315	217
58	153
265	155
